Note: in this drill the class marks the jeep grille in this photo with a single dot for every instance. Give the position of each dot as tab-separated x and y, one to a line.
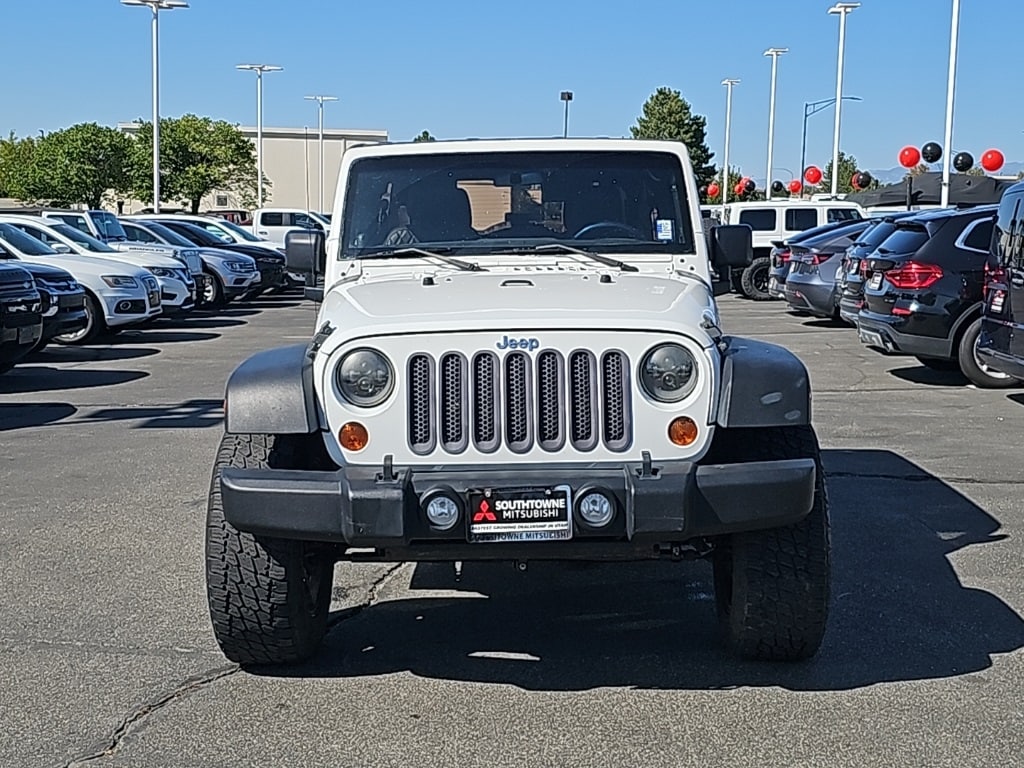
518	400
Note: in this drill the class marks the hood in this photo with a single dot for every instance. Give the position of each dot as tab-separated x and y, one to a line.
520	300
138	258
253	250
46	272
12	272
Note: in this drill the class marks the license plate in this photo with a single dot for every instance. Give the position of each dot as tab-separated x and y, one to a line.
870	338
520	514
28	334
876	281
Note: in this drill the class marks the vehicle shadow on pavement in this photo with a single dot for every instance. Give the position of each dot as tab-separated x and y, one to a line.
33	415
87	354
151	336
190	414
42	378
899	611
923	375
198	321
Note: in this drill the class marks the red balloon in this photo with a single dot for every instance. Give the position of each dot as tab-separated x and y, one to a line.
713	189
910	157
738	189
992	160
795	187
853	180
813	174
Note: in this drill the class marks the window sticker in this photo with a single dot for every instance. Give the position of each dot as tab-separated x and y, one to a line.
663	229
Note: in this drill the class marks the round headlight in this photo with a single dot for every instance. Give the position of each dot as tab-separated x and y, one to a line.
365	377
668	373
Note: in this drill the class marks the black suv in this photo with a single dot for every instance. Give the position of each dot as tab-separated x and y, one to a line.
1001	346
924	292
853	271
21	316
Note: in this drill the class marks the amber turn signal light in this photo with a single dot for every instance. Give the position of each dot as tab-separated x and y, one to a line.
682	431
353	436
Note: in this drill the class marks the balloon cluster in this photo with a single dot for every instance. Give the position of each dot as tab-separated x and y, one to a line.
992	160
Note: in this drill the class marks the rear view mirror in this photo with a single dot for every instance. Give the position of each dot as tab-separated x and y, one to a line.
732	246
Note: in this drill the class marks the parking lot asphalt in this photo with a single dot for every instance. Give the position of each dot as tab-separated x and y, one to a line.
108	658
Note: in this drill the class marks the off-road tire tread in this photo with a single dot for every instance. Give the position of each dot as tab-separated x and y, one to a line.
747	279
258	604
777	607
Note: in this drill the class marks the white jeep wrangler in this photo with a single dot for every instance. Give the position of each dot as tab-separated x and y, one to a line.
517	357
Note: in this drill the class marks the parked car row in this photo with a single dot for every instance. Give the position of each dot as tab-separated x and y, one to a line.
70	276
945	286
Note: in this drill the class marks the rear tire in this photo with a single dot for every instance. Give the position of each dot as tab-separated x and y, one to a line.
772	587
754	280
977	372
268	598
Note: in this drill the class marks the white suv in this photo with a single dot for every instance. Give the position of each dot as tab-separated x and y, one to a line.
517	356
777	220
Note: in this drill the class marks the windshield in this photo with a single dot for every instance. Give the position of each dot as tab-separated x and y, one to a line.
168	235
24	244
195	235
77	236
108	225
480	203
241	232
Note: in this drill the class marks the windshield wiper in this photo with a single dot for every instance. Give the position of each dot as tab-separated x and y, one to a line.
606	260
405	252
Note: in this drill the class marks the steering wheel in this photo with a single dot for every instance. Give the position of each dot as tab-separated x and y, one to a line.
613	225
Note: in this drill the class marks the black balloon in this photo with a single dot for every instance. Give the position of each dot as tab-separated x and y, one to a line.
777	186
703	191
863	180
931	152
963	162
751	186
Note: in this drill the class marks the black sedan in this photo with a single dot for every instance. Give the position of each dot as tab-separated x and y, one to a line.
782	250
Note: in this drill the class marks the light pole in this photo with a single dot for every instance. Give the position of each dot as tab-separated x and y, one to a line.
950	87
566	97
774	53
842	9
156	6
321	100
813	108
259	69
728	83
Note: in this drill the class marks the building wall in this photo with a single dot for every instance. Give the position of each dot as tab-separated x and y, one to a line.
291	161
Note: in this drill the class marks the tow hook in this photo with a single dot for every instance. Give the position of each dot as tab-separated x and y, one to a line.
521	566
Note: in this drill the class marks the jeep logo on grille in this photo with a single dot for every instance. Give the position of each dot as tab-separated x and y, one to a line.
510	343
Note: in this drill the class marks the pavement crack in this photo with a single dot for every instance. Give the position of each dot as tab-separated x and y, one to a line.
371	598
134	719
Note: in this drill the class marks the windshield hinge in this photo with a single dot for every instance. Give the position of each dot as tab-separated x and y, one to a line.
318	341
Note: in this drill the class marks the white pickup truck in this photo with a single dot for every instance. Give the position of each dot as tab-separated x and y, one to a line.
274	224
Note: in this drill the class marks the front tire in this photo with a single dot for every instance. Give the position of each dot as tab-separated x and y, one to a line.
213	292
95	324
268	598
976	371
772	586
754	280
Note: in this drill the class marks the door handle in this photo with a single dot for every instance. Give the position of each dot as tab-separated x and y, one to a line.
262	232
1017	280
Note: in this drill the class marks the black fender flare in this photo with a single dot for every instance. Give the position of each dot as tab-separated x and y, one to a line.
763	385
272	393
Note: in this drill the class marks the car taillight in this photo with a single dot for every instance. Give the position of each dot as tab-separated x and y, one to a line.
819	258
864	269
992	275
913	275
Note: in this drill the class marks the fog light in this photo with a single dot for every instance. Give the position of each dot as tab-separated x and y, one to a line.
682	431
353	436
596	509
442	512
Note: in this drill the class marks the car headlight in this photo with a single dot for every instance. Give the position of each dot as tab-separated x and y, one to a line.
668	373
119	281
163	272
365	377
239	266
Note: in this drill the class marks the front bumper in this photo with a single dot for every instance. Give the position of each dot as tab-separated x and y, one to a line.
890	333
177	295
69	316
663	506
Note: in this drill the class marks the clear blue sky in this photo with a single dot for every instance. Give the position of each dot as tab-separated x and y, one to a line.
482	68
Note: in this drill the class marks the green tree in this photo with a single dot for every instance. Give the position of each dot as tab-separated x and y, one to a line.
425	136
667	115
198	156
847	167
81	164
916	171
976	171
18	168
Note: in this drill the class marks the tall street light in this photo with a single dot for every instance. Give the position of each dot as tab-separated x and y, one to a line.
566	97
259	69
950	87
813	108
842	9
156	6
774	53
728	83
320	100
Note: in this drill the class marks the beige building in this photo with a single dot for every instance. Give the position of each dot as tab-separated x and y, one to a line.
291	161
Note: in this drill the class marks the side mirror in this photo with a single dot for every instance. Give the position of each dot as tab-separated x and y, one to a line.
305	253
732	246
61	248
